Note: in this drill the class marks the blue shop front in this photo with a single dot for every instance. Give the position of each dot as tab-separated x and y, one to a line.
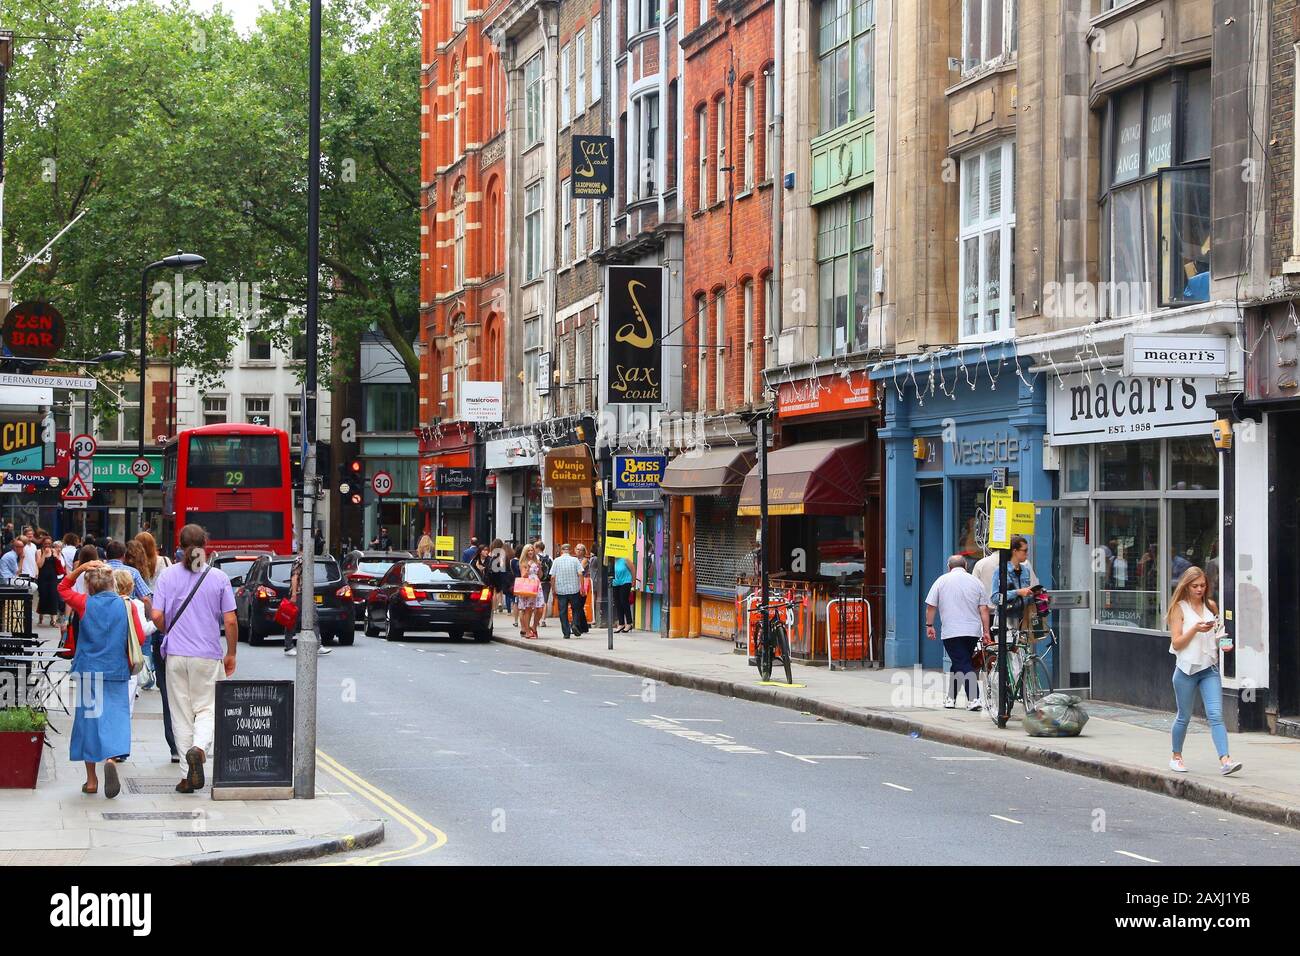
972	413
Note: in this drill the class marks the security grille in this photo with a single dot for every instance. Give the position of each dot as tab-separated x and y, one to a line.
724	544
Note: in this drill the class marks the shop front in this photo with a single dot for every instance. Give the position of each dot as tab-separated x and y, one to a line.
1140	493
637	480
455	511
569	502
514	475
712	552
950	420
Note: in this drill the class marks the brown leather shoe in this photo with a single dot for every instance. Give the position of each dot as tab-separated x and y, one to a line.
194	759
184	786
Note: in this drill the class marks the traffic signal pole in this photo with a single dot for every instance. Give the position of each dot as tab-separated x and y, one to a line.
304	711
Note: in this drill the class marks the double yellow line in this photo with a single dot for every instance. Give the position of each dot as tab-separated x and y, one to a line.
427	837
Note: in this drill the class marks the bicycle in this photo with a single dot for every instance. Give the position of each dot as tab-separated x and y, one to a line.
775	638
1029	679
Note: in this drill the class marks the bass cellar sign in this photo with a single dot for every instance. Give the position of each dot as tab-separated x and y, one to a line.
1113	407
635	351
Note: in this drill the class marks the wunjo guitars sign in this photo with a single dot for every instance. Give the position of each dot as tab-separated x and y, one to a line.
635	297
33	330
21	448
639	471
593	167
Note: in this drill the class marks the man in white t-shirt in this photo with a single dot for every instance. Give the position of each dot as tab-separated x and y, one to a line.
963	607
29	553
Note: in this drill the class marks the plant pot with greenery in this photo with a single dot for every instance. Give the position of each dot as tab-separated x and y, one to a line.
22	737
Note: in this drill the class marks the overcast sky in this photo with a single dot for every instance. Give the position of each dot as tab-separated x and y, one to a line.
244	11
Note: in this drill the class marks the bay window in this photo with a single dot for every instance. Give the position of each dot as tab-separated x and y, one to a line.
844	267
846	57
646	112
988	31
1156	206
987	243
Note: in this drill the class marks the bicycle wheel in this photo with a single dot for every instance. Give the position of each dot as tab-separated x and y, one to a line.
764	657
779	639
989	695
1036	681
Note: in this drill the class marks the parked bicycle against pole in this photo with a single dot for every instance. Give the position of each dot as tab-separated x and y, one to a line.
772	641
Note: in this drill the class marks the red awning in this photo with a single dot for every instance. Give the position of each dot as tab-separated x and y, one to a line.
811	478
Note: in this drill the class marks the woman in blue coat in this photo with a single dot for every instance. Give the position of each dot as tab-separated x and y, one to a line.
101	728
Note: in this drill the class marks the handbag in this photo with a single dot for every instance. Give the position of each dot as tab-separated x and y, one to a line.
68	646
586	585
286	613
525	587
134	654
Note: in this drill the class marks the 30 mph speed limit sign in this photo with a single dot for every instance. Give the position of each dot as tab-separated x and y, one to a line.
83	446
382	483
142	468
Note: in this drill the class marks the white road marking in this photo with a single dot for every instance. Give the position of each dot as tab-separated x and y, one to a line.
610	702
796	757
534	682
1144	859
463	661
725	744
997	816
696	720
896	786
573	692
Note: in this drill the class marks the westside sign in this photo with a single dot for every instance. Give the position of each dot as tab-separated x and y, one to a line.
639	471
1114	407
1176	355
592	163
634	350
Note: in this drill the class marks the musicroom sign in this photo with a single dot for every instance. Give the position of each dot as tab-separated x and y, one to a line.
1113	407
1176	355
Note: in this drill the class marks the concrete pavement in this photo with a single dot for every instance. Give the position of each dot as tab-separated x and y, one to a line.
1119	744
148	823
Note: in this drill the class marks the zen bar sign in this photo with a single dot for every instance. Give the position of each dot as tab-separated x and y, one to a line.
1176	356
593	167
634	354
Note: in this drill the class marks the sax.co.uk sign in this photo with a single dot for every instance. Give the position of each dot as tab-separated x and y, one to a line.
634	353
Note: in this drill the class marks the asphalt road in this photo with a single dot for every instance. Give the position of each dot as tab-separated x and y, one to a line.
522	758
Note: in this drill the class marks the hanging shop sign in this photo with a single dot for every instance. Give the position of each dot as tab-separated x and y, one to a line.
21	448
570	465
458	480
544	373
825	395
592	163
639	471
1176	355
634	351
47	381
480	401
517	452
33	330
1110	407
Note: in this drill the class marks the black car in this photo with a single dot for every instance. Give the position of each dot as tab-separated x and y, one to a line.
365	569
267	583
443	596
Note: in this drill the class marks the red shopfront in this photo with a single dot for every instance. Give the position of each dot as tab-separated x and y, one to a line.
460	513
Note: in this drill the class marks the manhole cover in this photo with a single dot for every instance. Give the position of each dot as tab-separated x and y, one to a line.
156	815
221	833
151	785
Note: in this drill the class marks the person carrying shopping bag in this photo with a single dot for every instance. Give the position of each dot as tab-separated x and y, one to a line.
1196	641
527	589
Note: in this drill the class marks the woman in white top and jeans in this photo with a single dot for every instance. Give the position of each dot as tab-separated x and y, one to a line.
1192	623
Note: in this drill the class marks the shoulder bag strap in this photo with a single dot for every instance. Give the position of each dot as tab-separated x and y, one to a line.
194	590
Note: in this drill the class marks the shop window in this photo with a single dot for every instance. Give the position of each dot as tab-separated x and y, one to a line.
1156	206
844	257
1074	471
846	56
987	242
832	544
1129	466
988	32
1194	540
1128	580
1193	465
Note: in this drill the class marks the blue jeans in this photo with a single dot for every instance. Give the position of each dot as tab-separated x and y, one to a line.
1209	685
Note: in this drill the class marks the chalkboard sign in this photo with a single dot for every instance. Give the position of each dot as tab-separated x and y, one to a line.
254	740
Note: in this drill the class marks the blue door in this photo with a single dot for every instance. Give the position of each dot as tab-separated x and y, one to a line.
933	562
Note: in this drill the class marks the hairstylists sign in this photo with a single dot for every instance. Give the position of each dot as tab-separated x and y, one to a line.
635	351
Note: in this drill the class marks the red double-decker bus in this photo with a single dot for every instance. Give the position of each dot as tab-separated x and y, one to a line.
235	481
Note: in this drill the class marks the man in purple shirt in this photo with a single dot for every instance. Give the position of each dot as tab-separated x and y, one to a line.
192	648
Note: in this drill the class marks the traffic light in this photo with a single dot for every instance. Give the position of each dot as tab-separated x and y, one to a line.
351	480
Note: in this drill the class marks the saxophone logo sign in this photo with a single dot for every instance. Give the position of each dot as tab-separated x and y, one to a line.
634	355
593	167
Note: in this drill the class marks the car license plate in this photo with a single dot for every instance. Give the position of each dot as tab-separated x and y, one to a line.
450	596
320	599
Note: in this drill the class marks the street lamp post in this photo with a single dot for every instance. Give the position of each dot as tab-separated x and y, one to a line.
183	261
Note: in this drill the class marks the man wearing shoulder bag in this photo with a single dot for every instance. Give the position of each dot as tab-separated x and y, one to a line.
192	605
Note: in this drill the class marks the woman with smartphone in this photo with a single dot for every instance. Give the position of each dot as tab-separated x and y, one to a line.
1195	642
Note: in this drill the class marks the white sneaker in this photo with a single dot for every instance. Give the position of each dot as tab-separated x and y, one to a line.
1176	765
325	650
291	652
974	705
1227	768
949	703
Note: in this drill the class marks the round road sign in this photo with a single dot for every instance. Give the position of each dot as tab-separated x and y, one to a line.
83	446
382	483
141	467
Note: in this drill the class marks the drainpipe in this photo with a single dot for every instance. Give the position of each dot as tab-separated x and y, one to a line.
778	154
